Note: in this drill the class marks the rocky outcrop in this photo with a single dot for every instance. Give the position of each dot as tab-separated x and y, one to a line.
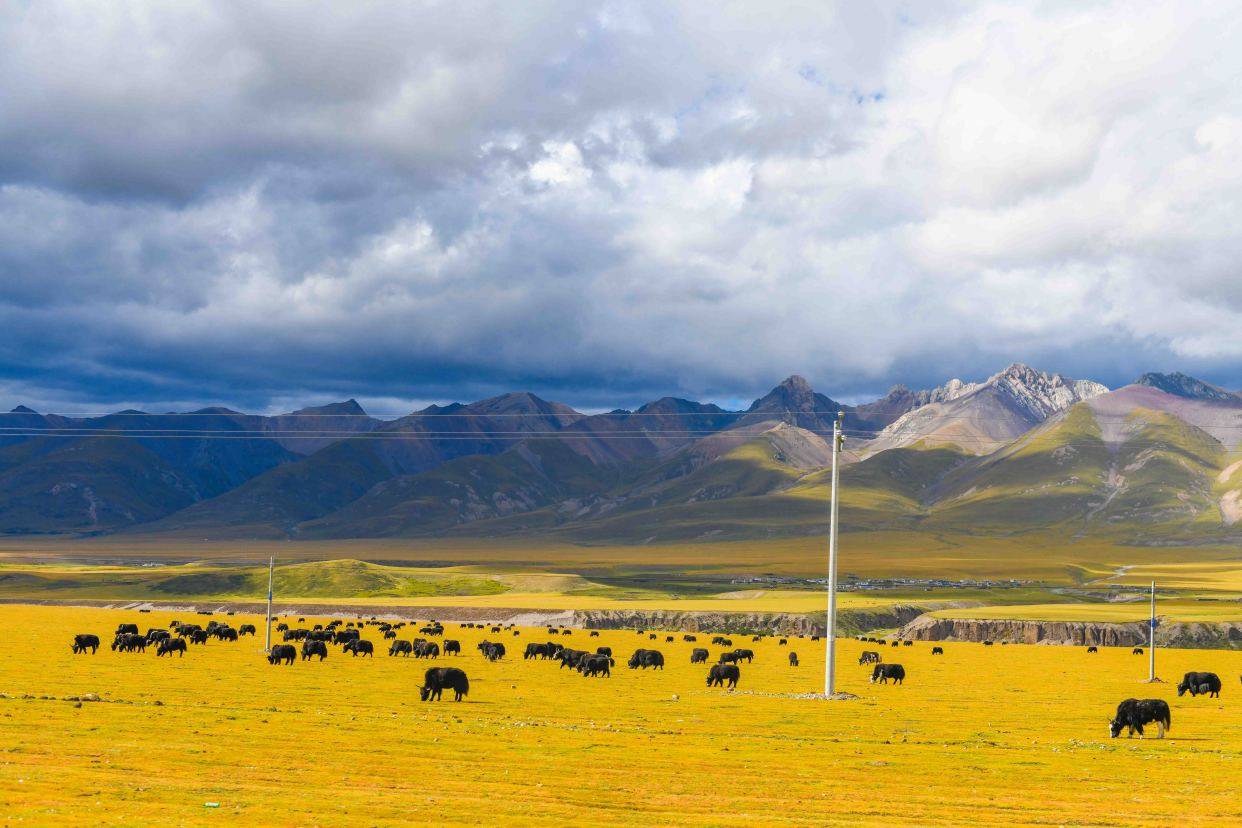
1226	635
849	622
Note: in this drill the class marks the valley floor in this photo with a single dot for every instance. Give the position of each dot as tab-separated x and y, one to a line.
996	736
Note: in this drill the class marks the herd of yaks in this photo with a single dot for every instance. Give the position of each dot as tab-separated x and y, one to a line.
1132	714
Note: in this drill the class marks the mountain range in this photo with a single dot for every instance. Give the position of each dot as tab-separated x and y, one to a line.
1156	461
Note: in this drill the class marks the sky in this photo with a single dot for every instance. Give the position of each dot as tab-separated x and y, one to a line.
271	205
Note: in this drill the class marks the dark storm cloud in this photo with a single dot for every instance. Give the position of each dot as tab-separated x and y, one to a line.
605	202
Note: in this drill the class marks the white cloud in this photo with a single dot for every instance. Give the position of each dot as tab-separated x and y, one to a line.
612	198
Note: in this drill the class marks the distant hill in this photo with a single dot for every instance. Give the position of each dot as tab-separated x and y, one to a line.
1157	461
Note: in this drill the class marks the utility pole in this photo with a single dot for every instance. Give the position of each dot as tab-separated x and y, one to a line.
1151	639
830	638
271	566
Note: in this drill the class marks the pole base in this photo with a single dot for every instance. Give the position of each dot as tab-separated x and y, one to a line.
838	696
1156	680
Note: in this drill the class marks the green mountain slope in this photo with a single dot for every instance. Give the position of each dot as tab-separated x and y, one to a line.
58	485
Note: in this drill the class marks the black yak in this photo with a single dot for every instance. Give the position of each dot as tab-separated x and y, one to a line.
647	658
1133	714
359	647
81	643
1196	683
171	645
314	648
285	653
883	672
596	665
438	679
698	656
720	673
402	647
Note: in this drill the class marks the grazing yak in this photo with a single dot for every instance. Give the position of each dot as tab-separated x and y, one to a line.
127	629
359	647
346	636
542	651
171	645
225	633
647	658
282	626
198	637
154	635
783	642
296	635
883	672
604	651
130	643
911	643
314	648
1093	649
401	647
282	653
246	629
426	649
81	643
188	630
1200	683
869	657
492	651
439	679
452	645
987	643
698	656
895	644
730	657
1137	651
594	634
1133	714
720	673
793	659
571	658
689	637
937	650
596	665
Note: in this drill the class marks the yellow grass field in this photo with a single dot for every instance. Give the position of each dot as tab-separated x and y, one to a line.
997	736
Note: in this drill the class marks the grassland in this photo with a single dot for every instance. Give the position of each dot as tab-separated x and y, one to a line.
346	741
1037	556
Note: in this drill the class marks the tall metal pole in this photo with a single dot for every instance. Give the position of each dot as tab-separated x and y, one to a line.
271	566
1151	639
830	638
